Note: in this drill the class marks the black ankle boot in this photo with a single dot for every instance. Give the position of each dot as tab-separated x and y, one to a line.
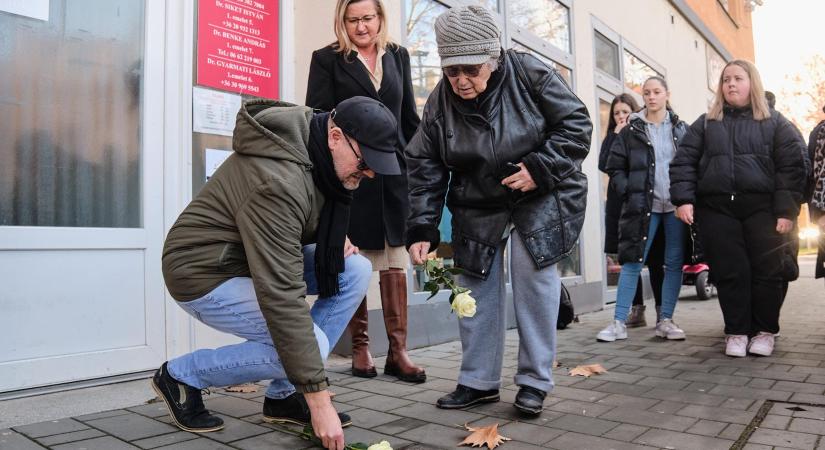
530	400
464	396
293	409
185	404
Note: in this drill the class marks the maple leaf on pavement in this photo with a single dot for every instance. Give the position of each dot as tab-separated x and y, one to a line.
587	370
242	388
484	436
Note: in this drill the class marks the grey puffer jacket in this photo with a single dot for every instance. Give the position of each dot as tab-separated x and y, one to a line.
527	114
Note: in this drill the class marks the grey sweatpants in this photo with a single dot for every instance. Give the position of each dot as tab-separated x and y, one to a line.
536	303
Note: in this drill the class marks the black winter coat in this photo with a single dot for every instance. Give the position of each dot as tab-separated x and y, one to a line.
527	114
380	205
740	155
632	168
613	202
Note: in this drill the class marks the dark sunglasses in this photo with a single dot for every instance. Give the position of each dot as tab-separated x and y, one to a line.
470	71
362	165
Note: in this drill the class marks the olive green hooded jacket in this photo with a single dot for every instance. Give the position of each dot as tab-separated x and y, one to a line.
251	220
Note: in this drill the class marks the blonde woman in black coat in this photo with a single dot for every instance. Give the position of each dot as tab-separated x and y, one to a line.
363	61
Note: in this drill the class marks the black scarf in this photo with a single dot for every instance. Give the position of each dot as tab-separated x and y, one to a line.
332	229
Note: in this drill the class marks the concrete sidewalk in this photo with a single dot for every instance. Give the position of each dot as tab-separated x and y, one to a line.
657	394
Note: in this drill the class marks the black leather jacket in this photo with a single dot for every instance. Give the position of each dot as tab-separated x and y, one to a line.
527	114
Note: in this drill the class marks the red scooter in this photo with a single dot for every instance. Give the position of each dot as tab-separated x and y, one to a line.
698	275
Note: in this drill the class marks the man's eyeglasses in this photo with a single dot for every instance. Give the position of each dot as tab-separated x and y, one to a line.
362	165
471	70
355	21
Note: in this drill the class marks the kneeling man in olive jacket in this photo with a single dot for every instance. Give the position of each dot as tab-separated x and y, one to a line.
267	229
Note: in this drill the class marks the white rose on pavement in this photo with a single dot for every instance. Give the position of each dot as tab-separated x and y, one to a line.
383	445
464	305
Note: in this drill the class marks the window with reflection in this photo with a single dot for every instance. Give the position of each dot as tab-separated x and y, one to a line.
565	73
424	61
607	55
70	115
547	19
636	72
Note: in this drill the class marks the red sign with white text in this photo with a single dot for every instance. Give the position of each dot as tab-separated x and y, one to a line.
238	46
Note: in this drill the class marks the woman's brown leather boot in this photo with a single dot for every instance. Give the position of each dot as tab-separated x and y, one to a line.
362	365
394	300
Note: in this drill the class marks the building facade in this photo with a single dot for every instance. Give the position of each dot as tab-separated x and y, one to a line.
115	112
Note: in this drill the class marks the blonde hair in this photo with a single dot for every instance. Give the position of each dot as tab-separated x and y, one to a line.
758	103
344	45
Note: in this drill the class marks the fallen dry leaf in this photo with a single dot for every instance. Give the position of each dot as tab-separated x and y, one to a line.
587	370
484	436
247	388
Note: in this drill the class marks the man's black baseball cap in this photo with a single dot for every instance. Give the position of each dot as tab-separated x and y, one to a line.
373	126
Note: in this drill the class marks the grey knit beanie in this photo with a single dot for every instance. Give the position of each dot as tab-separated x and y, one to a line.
467	35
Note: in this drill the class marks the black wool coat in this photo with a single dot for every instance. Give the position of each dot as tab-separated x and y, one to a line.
631	165
613	202
380	205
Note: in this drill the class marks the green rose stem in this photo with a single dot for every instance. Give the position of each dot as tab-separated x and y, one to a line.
308	434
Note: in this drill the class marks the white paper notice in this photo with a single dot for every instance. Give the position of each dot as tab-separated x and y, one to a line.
214	112
36	9
214	158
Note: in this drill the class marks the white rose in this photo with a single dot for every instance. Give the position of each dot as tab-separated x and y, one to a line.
383	445
464	305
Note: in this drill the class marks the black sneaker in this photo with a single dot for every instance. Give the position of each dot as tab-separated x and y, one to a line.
464	396
185	404
530	400
294	409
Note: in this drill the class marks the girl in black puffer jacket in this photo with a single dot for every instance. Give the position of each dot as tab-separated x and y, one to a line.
638	168
741	165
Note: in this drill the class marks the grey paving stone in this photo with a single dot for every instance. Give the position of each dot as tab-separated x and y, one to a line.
759	447
165	440
808	398
755	394
439	436
101	443
628	401
673	439
340	407
572	440
399	426
717	414
577	394
385	388
102	415
583	424
732	431
429	397
273	440
382	402
685	397
152	410
667	407
740	403
623	388
714	378
233	406
804	388
432	414
236	429
777	422
51	427
56	439
368	418
657	372
130	427
647	418
700	387
772	374
625	432
197	444
10	440
581	408
807	426
643	362
353	395
789	439
529	433
707	428
761	383
665	383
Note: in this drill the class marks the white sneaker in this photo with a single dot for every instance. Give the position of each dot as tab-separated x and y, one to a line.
761	344
667	329
616	330
736	345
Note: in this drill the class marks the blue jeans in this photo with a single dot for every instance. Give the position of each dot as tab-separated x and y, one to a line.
674	258
233	308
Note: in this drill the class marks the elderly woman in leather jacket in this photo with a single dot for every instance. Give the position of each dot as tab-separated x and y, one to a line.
502	137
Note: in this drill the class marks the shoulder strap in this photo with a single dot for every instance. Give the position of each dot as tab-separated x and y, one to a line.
522	75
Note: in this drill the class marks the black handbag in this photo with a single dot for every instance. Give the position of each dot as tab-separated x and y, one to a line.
566	312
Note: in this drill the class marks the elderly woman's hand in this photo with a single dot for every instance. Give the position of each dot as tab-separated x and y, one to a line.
520	181
418	252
